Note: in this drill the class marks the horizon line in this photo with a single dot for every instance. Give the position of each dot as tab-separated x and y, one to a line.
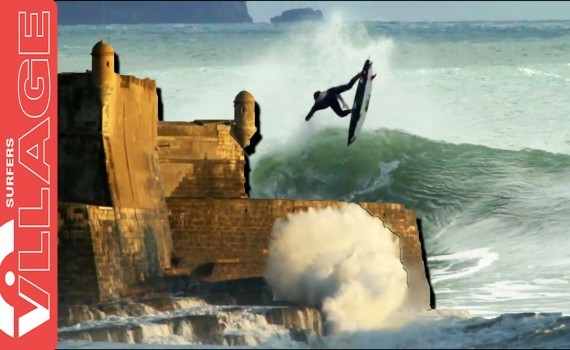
325	20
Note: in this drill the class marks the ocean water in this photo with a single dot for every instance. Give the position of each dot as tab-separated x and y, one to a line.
468	125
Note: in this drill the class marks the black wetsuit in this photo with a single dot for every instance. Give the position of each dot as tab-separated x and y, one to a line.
331	100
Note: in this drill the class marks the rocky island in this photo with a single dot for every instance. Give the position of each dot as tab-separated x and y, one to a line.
155	12
298	15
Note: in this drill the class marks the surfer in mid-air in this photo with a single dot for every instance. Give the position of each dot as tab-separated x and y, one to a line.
330	98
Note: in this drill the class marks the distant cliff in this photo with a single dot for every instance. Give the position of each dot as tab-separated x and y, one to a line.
139	12
298	15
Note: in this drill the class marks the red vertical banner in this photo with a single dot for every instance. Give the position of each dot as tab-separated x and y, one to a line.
28	175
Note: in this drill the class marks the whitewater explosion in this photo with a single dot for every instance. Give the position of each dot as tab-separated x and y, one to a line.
343	259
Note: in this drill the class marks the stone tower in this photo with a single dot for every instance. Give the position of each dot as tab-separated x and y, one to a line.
110	173
103	64
244	118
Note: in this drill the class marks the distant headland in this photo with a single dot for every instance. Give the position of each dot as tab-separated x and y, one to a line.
298	15
151	12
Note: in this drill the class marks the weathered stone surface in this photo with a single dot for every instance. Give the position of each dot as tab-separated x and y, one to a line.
200	160
77	270
232	235
208	326
74	314
297	318
107	158
100	257
82	176
203	329
244	119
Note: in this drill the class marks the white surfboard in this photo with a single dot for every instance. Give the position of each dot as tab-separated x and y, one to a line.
361	102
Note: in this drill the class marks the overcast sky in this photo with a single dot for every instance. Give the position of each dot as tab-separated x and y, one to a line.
261	11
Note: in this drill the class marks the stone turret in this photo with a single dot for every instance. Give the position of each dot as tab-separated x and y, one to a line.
103	64
244	118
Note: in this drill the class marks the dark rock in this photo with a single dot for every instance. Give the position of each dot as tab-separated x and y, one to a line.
298	15
139	12
74	314
300	335
296	318
303	324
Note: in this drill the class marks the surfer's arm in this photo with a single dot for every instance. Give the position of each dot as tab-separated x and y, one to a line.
311	112
316	107
343	88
